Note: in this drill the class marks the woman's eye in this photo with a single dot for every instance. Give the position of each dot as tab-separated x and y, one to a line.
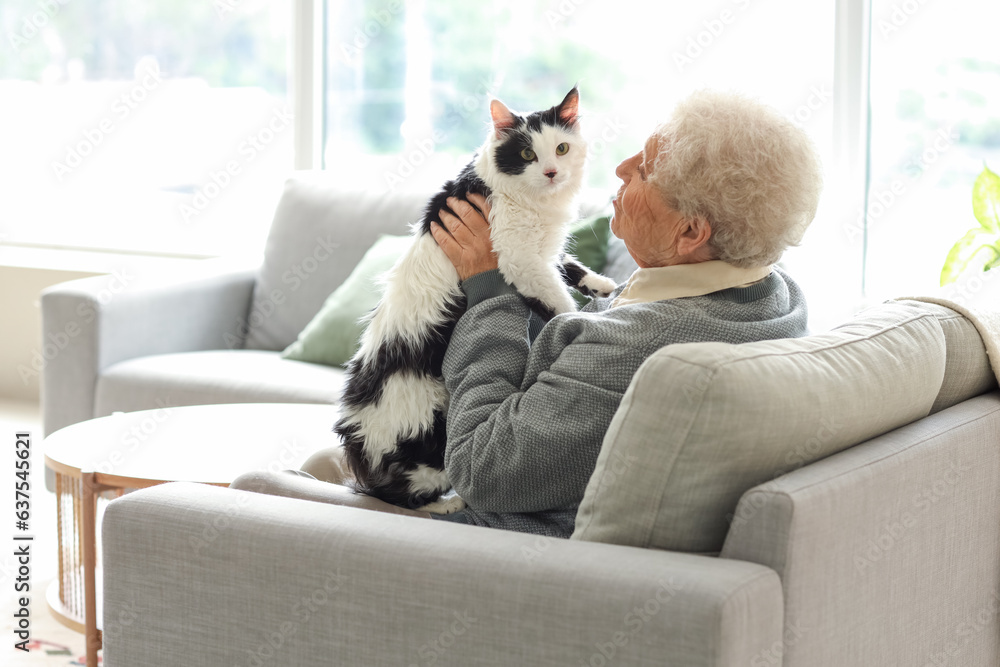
528	154
562	149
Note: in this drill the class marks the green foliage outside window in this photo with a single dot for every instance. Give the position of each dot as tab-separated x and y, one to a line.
979	248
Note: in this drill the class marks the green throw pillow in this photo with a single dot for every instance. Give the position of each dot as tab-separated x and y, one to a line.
588	241
334	334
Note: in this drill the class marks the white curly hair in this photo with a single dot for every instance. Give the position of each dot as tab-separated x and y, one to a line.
741	165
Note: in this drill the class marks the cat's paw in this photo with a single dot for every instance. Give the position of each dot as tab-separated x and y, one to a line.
597	284
444	506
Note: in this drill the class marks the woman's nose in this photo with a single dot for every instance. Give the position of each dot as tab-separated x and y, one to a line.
621	170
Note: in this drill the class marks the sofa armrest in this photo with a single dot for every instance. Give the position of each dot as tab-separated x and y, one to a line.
212	576
90	324
888	551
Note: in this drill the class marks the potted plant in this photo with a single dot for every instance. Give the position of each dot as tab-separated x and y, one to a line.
979	249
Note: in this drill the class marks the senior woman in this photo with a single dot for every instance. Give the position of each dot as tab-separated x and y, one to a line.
706	208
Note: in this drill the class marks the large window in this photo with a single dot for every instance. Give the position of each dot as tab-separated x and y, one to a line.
154	126
165	127
935	102
408	84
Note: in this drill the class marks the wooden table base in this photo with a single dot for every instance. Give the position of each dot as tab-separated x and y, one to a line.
72	598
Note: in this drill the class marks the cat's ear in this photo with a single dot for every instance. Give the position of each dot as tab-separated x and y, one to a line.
503	119
569	108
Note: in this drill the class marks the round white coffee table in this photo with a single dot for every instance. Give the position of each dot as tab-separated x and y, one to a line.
211	444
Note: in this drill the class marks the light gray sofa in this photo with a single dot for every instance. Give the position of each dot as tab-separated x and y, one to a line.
826	501
831	500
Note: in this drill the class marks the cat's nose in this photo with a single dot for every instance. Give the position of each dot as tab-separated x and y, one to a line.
551	174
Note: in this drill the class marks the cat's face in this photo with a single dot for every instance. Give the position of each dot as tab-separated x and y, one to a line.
542	152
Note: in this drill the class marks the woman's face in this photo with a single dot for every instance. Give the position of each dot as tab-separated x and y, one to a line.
642	219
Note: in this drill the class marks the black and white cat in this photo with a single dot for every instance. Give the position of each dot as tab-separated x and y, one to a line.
394	403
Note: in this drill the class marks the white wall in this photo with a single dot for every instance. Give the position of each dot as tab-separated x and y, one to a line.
21	327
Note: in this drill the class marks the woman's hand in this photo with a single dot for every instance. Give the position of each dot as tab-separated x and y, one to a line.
466	239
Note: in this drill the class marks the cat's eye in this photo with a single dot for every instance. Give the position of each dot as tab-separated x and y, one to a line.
528	154
562	149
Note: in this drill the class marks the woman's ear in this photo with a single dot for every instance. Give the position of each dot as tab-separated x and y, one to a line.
694	236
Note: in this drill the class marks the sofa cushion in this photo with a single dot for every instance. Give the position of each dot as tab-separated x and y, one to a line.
318	235
211	377
334	335
967	367
703	422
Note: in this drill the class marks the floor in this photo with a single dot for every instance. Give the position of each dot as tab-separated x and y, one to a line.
52	643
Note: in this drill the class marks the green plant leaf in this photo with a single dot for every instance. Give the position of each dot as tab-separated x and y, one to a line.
974	251
986	200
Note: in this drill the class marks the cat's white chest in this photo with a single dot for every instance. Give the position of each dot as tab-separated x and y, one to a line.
528	243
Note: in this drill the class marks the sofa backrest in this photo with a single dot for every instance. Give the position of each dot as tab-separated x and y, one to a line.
318	235
967	370
702	423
